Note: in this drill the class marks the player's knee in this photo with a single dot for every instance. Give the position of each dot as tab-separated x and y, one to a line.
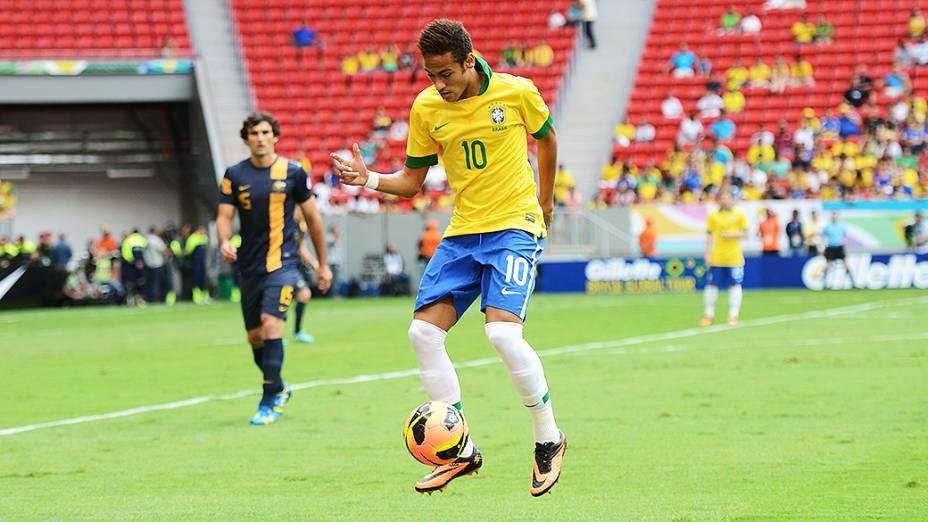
255	339
502	335
271	327
303	296
425	336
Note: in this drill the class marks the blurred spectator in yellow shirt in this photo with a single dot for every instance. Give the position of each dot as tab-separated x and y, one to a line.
734	101
803	30
916	23
543	54
624	133
611	171
369	59
563	182
759	74
737	75
801	72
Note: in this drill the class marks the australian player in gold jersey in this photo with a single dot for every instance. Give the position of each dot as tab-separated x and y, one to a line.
725	228
479	119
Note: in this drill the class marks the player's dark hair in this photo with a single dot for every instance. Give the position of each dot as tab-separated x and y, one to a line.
259	117
443	36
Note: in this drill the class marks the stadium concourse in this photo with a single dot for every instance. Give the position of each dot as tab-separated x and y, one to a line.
800	100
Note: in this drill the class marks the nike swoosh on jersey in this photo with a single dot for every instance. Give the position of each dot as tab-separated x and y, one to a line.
438	127
505	291
244	187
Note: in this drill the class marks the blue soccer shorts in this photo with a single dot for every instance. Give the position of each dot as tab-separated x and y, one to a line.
267	294
499	266
725	276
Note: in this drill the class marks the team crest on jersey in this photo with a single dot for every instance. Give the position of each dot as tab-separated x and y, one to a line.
279	186
498	113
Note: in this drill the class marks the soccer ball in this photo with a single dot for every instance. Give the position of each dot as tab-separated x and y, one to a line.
435	433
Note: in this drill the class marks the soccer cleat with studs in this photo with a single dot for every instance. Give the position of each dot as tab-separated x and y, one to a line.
547	470
439	478
281	400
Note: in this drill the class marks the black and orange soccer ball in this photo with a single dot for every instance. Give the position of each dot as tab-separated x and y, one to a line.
435	433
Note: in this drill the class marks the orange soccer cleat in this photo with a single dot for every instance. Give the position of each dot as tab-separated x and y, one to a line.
442	475
548	458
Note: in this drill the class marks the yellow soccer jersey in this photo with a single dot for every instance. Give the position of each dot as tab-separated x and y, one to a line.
484	150
726	252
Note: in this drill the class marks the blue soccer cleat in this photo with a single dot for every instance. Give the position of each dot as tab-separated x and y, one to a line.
304	337
281	400
264	416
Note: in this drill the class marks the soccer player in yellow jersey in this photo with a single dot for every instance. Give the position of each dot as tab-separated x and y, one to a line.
725	228
478	119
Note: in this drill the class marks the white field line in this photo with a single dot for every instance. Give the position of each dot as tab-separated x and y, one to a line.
357	379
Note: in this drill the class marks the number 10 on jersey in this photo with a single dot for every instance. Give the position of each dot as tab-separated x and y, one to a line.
475	154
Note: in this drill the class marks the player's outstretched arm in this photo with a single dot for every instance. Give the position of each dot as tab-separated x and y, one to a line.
224	215
405	182
317	234
547	168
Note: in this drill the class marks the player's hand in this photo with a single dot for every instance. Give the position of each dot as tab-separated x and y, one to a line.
353	171
228	252
324	278
547	212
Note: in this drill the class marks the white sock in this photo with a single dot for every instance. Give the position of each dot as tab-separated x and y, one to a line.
710	294
734	301
435	369
528	376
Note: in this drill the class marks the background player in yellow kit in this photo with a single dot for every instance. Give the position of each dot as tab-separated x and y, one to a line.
480	119
725	229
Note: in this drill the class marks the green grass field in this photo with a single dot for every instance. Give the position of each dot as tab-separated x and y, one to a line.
815	407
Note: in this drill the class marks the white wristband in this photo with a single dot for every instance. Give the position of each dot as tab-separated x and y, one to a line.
373	179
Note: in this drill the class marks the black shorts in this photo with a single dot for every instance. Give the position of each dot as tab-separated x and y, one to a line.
834	253
267	294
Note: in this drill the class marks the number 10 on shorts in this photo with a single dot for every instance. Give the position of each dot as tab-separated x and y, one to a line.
517	269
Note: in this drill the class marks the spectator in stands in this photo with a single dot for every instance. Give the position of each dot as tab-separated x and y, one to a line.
769	232
645	132
169	48
734	101
760	153
396	280
556	20
389	58
803	30
682	62
824	30
783	139
730	20
671	108
305	36
723	128
428	243
737	75
901	55
408	62
303	160
916	23
779	75
524	56
759	74
610	171
368	59
704	66
801	72
399	129
382	122
750	24
808	117
896	83
804	136
624	133
784	4
589	15
647	239
849	122
691	130
563	182
857	94
507	57
543	54
62	253
710	105
370	147
763	136
830	125
574	13
350	67
899	112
